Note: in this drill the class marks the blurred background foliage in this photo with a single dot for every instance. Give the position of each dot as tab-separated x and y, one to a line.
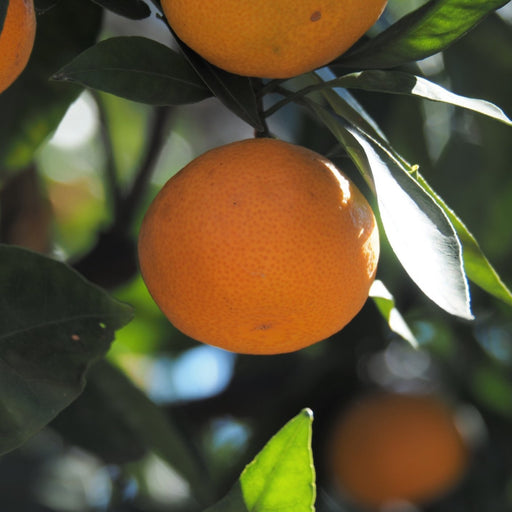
93	457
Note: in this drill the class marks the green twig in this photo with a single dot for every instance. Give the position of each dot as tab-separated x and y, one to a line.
113	191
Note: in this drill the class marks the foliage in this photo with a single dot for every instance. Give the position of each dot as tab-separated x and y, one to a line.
372	110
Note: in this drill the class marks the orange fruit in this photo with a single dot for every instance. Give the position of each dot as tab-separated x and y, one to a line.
269	38
392	447
16	40
259	247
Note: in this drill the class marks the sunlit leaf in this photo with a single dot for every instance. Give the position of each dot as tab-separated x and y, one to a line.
397	82
138	69
281	477
133	9
53	326
33	106
428	30
418	230
477	266
385	303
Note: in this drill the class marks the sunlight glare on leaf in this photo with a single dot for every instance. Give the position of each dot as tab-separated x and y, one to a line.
386	305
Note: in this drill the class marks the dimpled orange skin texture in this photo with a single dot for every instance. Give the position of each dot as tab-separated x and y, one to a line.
259	247
16	40
271	38
397	447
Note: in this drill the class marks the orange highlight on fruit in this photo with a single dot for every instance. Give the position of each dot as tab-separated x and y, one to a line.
16	40
259	247
391	447
269	38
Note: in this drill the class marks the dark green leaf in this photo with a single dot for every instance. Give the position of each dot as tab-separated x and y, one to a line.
53	326
418	230
95	423
236	92
133	9
385	303
3	12
397	82
154	429
281	477
138	69
33	107
477	266
428	30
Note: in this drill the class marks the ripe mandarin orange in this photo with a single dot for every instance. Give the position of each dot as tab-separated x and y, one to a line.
259	247
16	40
271	38
391	447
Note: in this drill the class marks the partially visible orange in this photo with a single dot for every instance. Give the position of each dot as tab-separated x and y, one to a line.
271	38
16	40
259	247
393	447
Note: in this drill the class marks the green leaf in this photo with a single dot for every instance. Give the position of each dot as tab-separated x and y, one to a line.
477	266
95	423
53	326
493	387
234	91
428	30
397	82
281	477
132	9
420	233
137	69
4	4
33	107
124	405
385	303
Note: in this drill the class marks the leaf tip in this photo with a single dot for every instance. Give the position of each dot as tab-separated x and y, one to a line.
307	413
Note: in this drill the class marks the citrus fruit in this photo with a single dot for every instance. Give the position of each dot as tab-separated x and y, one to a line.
392	447
269	38
16	40
260	247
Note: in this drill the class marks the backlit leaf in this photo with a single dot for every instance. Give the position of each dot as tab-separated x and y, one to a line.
478	268
281	477
397	82
428	30
418	230
385	303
